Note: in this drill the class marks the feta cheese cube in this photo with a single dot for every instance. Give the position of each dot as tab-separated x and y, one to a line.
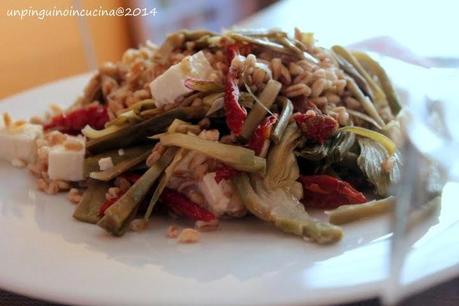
105	163
66	164
170	85
20	143
220	197
213	193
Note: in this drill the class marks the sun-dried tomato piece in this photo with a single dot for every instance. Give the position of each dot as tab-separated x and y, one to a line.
328	192
315	125
73	122
225	173
108	203
182	206
235	113
131	177
261	133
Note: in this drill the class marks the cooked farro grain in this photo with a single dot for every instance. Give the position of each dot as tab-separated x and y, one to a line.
228	139
204	123
112	193
276	64
318	87
340	85
122	183
138	225
56	109
208	226
299	89
7	121
63	185
332	98
172	231
387	165
51	186
352	103
73	144
18	163
36	120
156	153
319	101
74	196
341	115
188	235
258	76
55	138
42	185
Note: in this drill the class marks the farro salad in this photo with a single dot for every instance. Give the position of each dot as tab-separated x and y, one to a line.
210	126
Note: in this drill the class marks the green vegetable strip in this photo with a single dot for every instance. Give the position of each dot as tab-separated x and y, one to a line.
282	209
91	164
258	112
235	156
120	168
354	212
281	125
272	46
261	33
374	68
126	118
284	41
353	73
138	133
117	215
339	147
163	182
91	133
203	85
371	162
366	103
93	198
362	116
385	141
379	98
282	169
271	199
142	105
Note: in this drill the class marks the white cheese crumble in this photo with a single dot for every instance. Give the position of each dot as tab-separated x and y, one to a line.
105	163
220	197
20	143
66	164
170	85
18	163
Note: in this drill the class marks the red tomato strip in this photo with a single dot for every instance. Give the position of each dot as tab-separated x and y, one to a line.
315	125
107	204
225	173
261	133
235	113
328	192
73	122
182	206
131	177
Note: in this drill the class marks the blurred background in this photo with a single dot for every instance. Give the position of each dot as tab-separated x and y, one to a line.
36	51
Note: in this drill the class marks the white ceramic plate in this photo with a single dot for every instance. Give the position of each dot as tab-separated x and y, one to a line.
44	253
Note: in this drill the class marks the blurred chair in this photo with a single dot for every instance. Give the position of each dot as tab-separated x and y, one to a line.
38	51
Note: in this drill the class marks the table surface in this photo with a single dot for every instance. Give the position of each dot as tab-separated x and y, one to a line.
284	15
443	295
